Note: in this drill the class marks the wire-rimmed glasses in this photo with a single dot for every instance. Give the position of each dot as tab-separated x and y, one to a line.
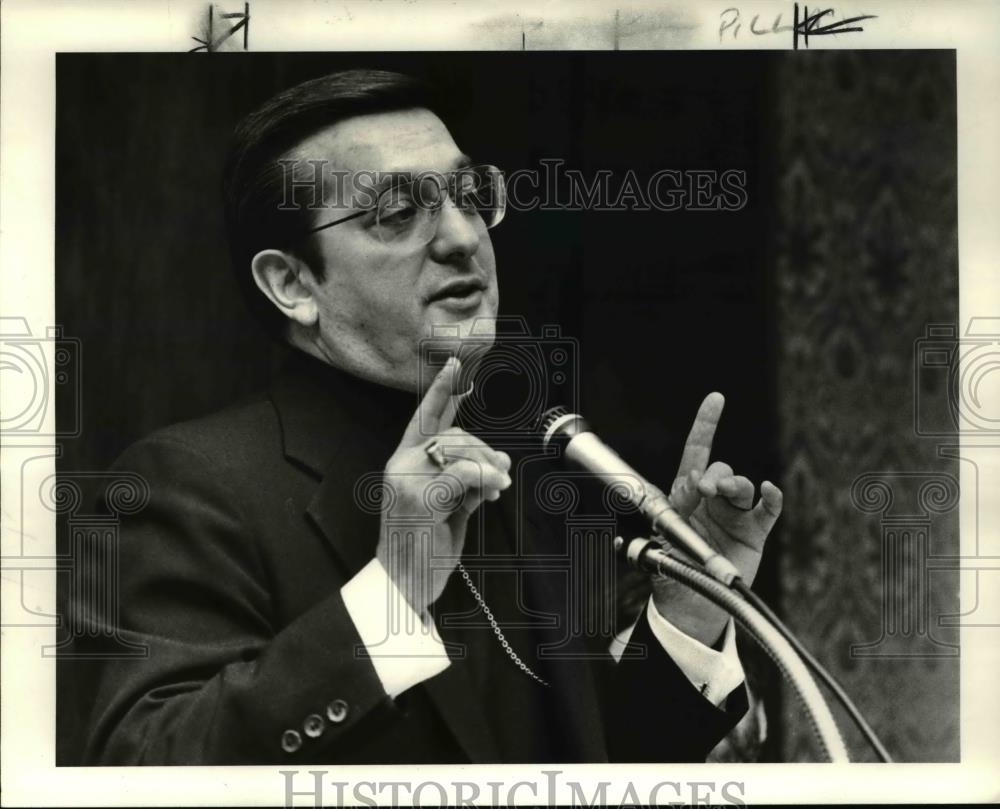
407	211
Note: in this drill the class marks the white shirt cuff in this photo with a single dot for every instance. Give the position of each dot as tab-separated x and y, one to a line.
404	649
714	674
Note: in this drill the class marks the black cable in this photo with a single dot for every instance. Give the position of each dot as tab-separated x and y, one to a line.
828	679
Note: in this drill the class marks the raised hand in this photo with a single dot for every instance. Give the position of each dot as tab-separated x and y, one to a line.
435	501
720	506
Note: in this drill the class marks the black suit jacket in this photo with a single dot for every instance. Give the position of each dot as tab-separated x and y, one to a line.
231	578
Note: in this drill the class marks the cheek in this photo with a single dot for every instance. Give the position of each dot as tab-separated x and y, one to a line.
487	261
485	254
374	291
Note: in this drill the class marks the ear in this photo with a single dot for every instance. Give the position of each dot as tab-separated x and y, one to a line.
279	276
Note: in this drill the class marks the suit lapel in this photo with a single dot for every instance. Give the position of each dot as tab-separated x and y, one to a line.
346	507
322	435
319	434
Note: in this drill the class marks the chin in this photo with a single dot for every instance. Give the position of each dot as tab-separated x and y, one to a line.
481	326
476	324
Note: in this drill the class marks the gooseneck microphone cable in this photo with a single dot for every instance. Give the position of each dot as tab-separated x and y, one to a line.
817	668
580	445
814	665
647	554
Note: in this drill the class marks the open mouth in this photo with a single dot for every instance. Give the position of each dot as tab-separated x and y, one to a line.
459	291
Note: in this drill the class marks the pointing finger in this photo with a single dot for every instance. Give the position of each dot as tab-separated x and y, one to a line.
698	446
455	401
684	495
433	414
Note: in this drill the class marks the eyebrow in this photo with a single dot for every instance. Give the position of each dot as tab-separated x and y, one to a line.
463	161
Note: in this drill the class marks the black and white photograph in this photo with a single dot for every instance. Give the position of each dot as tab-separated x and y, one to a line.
559	399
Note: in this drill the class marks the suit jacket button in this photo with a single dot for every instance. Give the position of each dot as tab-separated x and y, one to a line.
336	711
314	726
291	741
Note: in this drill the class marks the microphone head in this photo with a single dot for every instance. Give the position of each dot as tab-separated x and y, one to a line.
558	425
546	419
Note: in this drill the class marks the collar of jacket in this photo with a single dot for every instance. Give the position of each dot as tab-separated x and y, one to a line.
322	410
342	430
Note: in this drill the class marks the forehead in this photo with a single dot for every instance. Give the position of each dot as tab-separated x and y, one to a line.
403	140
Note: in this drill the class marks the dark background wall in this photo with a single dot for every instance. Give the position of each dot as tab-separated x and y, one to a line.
665	306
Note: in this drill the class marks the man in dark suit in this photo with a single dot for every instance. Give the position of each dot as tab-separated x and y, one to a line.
339	569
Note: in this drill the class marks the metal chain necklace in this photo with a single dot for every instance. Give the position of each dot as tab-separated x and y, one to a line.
496	627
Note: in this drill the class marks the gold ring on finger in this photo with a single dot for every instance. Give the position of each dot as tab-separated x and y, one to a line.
436	453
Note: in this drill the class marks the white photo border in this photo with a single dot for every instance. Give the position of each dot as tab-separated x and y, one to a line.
34	31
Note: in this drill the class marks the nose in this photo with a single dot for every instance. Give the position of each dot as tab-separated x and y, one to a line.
457	234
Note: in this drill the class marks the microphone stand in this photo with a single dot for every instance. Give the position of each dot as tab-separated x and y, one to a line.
715	577
766	630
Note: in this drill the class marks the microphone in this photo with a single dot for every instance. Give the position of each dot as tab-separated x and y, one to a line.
583	447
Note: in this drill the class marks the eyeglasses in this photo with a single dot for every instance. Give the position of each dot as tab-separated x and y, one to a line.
407	212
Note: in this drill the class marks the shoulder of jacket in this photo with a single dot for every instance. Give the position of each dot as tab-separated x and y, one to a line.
241	434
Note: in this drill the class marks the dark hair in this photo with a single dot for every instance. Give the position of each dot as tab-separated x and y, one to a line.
253	181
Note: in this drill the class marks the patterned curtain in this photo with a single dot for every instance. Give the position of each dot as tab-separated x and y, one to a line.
866	264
